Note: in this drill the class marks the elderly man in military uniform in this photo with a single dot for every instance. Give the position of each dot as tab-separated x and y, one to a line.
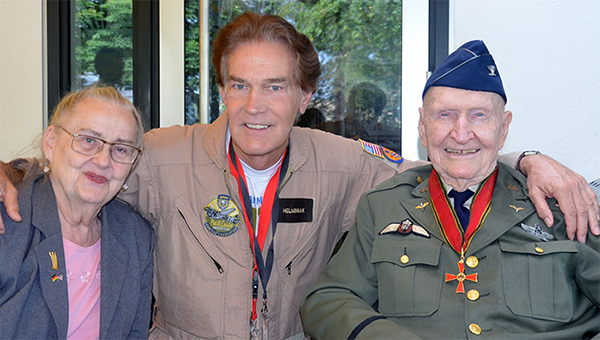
455	249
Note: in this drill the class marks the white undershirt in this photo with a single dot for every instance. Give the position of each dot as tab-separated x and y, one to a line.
257	181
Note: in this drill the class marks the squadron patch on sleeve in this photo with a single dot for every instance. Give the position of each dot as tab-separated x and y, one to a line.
405	227
392	156
222	216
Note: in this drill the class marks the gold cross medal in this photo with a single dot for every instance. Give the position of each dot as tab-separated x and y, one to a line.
461	276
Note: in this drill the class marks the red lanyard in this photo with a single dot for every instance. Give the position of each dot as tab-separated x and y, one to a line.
447	219
269	207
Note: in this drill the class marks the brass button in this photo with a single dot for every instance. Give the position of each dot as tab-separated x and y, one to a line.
472	261
404	259
473	295
539	250
475	329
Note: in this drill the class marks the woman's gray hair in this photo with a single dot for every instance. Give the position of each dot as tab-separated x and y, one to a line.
101	92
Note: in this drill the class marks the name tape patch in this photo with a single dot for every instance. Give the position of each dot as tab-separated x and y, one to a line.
295	210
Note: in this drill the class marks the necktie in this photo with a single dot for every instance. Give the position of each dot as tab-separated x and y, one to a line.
459	200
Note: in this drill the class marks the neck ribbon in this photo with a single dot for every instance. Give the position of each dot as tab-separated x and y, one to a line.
269	207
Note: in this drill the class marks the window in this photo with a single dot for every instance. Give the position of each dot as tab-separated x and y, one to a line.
360	47
102	42
349	35
93	40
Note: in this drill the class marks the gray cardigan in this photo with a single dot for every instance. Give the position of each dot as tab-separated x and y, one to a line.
33	305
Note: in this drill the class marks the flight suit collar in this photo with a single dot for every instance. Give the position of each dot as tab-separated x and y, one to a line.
216	141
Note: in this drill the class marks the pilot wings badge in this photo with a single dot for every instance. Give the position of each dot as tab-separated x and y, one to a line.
405	227
537	231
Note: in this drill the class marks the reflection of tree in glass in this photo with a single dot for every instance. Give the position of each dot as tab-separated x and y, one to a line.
363	120
109	65
365	103
358	40
311	118
103	24
192	61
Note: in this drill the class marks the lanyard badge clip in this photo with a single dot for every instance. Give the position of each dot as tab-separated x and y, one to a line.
265	309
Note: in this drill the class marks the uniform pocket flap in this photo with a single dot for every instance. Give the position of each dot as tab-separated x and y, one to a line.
416	252
539	248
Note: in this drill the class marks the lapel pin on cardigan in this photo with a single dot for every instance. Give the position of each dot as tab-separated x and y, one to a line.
54	260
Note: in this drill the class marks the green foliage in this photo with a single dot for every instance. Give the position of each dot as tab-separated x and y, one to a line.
192	60
357	40
103	23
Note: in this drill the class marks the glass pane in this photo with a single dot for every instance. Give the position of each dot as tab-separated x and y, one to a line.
192	61
102	43
359	44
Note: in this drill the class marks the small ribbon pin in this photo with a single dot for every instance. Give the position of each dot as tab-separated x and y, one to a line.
517	209
422	206
54	260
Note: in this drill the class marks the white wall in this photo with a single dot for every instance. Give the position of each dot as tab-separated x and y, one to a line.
171	59
415	54
21	75
548	54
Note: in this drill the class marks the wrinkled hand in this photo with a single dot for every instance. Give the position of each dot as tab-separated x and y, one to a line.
8	195
578	202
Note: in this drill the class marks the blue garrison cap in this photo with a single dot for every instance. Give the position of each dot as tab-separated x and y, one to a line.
470	67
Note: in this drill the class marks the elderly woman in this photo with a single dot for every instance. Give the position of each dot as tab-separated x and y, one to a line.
83	267
455	249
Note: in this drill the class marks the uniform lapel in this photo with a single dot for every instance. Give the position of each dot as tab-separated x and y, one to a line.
53	275
114	265
419	209
510	205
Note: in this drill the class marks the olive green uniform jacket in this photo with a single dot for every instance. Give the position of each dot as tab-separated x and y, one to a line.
393	285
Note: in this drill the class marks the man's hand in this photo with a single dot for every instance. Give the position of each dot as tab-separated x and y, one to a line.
548	178
8	195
